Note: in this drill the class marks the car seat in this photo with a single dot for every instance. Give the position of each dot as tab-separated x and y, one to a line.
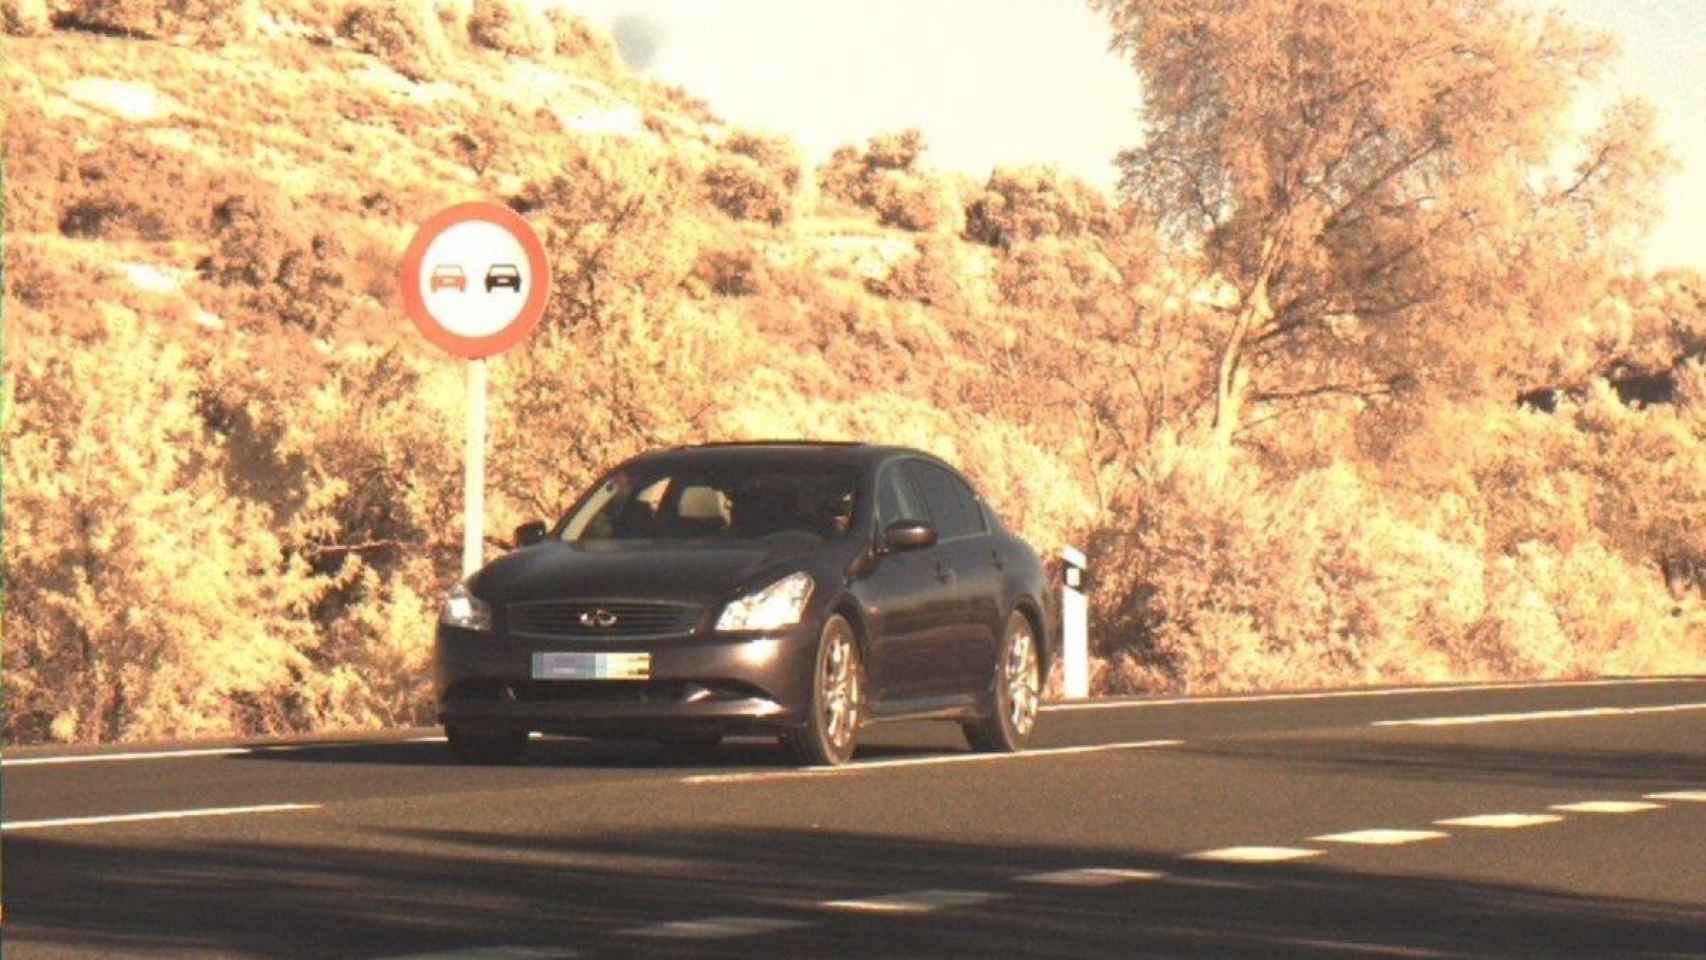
700	512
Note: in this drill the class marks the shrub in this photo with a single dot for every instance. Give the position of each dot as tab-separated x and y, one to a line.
928	276
207	22
1226	580
618	233
24	18
886	179
278	276
126	189
500	25
731	272
397	32
142	599
576	39
757	178
740	188
1029	203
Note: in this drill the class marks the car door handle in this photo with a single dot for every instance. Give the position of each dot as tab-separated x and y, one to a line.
945	574
996	559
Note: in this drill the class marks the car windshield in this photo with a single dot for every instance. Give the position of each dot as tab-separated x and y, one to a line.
728	501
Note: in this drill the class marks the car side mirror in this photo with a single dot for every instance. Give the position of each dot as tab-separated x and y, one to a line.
531	532
909	535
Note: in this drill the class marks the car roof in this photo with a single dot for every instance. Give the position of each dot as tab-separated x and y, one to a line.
822	451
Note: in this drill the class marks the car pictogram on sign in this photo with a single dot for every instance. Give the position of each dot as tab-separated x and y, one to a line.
503	275
449	275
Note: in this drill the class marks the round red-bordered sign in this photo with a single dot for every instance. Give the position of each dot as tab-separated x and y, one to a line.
475	279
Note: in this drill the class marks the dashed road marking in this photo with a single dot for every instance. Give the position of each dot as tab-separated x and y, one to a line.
1607	806
1090	877
494	953
920	901
1537	715
161	815
1686	796
1381	837
864	765
1254	854
715	928
1501	821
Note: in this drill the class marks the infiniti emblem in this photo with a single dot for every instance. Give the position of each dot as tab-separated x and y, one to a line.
598	618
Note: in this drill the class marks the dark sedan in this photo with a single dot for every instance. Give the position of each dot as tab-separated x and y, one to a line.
799	589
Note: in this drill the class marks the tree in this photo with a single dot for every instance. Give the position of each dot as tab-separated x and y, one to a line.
1363	178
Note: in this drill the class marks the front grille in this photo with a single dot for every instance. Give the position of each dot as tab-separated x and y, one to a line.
593	619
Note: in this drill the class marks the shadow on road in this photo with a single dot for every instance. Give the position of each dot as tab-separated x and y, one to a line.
1459	762
384	893
734	755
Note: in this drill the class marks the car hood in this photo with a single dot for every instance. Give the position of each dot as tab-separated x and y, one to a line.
636	569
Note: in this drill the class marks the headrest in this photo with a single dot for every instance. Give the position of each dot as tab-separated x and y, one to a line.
701	503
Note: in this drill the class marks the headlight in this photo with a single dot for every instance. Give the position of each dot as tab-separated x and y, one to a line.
776	606
463	609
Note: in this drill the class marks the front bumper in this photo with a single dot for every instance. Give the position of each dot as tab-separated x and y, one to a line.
717	682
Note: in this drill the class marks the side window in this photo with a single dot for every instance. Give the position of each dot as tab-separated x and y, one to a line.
951	502
897	499
974	510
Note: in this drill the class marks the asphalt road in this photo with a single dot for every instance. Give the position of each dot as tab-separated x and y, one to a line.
1316	825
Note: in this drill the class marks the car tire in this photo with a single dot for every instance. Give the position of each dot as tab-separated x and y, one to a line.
1015	692
836	705
486	748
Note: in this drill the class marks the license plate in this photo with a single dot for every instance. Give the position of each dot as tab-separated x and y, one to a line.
592	666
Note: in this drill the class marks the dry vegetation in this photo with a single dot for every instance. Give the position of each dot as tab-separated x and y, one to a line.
1290	437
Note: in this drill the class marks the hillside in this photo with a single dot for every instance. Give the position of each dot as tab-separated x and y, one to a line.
232	469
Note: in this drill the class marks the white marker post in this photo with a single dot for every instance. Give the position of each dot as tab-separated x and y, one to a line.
475	281
1075	627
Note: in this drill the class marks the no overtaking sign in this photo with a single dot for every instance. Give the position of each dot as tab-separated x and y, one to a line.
475	281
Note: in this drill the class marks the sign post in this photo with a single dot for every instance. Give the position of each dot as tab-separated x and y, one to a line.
474	470
475	281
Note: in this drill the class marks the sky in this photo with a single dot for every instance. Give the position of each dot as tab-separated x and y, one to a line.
1032	81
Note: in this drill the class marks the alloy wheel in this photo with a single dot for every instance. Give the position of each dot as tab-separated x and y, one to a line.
1024	683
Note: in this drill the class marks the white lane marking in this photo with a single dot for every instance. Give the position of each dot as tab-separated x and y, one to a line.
1253	854
1210	883
922	761
1339	694
1363	949
1501	821
1090	877
207	752
1381	837
1686	796
102	757
494	953
714	928
920	901
1607	806
161	815
1538	715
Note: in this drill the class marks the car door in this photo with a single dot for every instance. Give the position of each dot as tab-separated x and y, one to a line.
909	633
969	579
